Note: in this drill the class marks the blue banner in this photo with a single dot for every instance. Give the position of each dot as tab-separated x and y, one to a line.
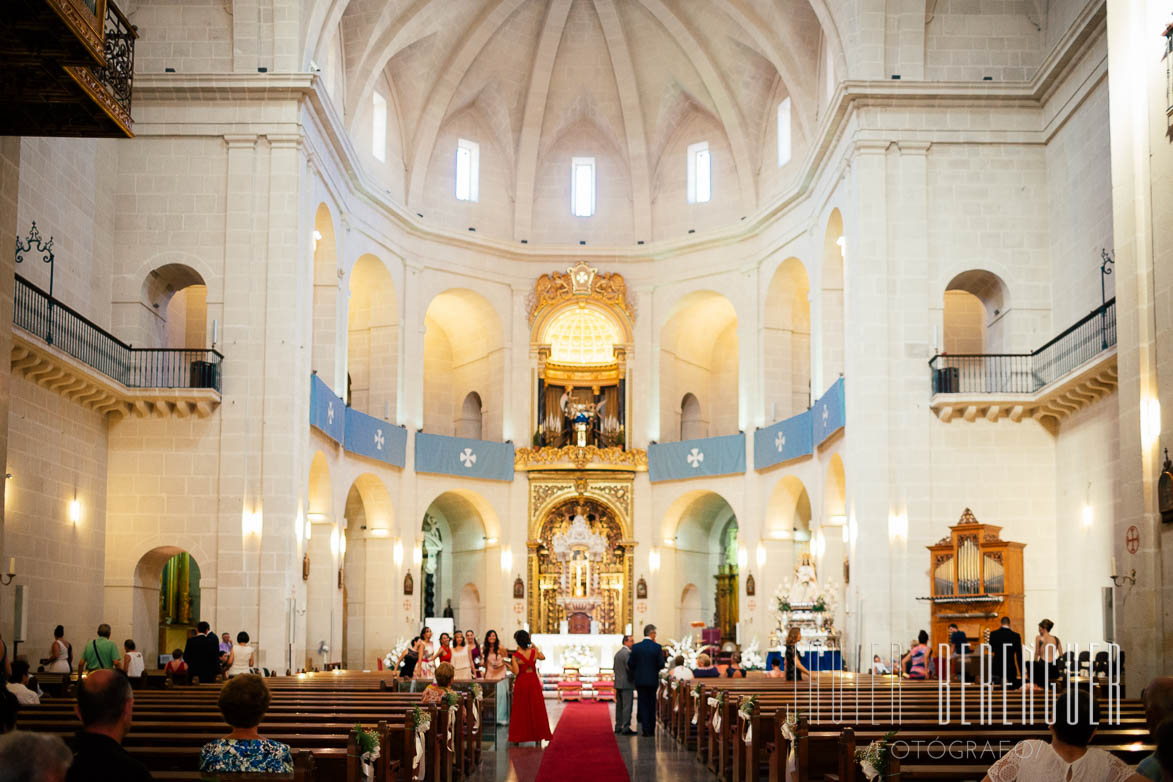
830	412
782	441
695	458
327	412
461	456
376	439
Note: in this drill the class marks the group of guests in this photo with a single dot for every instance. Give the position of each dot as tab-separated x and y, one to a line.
204	656
1006	665
637	672
469	659
105	706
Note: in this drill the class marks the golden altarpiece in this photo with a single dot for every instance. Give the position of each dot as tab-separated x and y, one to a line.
977	578
581	549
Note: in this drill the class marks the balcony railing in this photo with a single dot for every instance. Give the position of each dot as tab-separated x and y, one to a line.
65	329
1026	373
118	73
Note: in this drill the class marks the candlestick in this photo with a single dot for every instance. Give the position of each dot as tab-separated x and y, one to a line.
12	566
1113	566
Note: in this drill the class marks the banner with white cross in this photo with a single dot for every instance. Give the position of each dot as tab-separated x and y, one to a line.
463	457
375	438
707	456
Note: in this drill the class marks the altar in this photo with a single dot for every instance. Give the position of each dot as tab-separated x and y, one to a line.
588	652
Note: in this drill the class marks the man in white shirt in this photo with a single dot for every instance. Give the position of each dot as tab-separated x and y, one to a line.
19	685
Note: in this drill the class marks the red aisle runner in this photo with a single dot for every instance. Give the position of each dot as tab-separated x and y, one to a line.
583	747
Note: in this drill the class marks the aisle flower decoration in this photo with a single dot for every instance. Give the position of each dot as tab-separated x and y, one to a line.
873	758
717	703
368	750
790	732
421	722
696	696
451	700
745	711
478	695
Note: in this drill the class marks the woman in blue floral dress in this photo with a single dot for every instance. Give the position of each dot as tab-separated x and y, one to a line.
243	701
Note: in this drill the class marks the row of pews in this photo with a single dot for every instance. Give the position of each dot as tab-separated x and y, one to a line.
315	715
753	730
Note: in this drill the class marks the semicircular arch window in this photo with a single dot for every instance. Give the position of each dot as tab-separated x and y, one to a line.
582	335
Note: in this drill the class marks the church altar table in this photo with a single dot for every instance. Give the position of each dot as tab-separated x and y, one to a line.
825	660
599	650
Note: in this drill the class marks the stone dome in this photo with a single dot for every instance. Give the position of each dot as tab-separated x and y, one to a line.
534	83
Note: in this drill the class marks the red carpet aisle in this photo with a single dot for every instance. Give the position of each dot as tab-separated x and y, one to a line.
583	747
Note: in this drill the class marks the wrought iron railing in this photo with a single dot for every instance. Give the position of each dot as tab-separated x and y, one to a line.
1025	373
118	73
63	328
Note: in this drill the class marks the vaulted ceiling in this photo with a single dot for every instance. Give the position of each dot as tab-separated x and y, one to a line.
632	71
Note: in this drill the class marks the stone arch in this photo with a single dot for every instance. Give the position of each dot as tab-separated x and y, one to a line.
367	511
689	609
470	422
703	526
325	355
835	489
786	338
975	303
469	610
174	311
463	352
692	422
788	511
152	635
372	343
456	525
831	323
699	354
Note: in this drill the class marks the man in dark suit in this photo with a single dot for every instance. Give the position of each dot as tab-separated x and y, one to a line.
643	665
1006	649
202	654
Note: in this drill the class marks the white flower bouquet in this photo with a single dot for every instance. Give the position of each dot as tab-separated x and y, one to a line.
873	758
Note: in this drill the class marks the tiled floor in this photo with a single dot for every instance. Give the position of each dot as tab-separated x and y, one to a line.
646	759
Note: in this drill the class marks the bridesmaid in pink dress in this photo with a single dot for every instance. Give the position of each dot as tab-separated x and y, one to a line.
528	720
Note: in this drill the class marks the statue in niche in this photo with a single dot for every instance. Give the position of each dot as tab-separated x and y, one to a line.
750	586
641	589
408	584
805	589
518	589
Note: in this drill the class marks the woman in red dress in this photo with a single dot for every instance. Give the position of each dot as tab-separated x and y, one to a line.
445	653
527	720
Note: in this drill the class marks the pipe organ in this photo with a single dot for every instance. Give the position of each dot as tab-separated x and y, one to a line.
977	579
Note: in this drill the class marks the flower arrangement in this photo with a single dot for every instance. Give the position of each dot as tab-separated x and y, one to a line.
874	757
580	657
820	605
478	692
451	699
790	726
392	656
368	750
420	720
746	706
751	658
686	648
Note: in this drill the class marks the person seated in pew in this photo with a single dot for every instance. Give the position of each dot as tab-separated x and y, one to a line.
1164	753
243	701
18	685
9	706
680	672
1158	709
734	667
704	668
105	706
33	757
775	671
878	666
1068	756
176	668
917	662
435	692
795	670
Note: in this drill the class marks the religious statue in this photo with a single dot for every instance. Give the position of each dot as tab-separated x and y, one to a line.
805	589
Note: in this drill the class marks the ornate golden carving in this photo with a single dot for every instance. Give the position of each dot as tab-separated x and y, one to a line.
580	280
966	518
573	457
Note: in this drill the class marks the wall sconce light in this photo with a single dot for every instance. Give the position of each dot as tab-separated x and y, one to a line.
417	555
75	510
846	534
317	237
897	526
761	556
251	523
842	242
669	541
397	553
1117	579
1150	420
490	541
342	544
380	532
819	544
838	520
506	559
309	528
742	557
654	560
7	578
334	545
1087	515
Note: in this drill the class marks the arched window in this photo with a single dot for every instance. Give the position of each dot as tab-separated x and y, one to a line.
691	424
469	424
177	299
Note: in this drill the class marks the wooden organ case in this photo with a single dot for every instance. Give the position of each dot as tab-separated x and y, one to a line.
977	579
